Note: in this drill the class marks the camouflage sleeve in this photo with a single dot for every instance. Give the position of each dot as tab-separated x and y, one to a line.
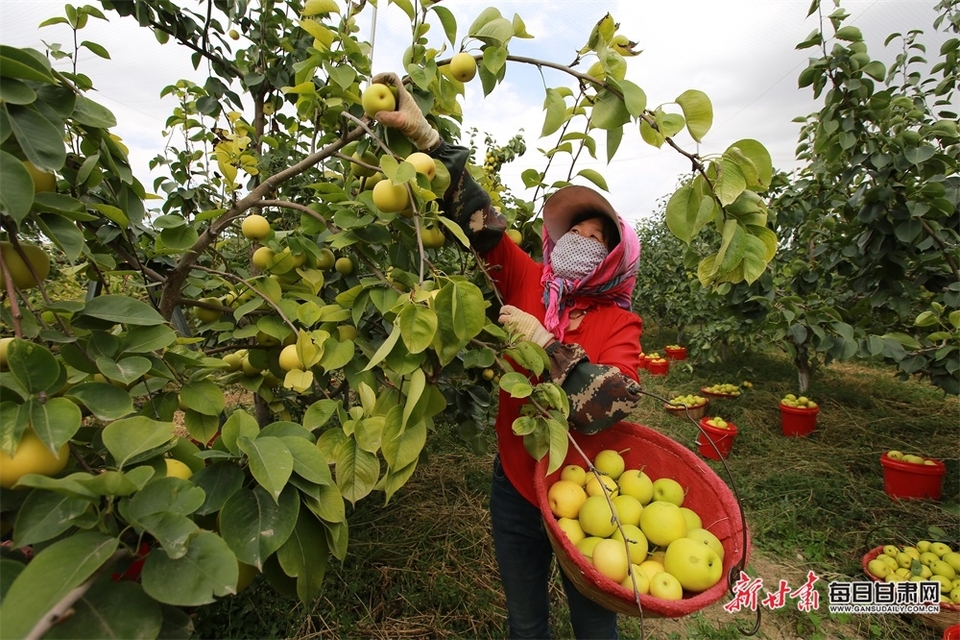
600	396
466	202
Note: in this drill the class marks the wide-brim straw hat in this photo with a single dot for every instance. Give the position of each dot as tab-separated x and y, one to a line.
565	204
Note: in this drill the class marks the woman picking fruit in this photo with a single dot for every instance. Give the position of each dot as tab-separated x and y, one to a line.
577	306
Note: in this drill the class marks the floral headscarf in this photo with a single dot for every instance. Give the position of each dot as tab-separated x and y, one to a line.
612	281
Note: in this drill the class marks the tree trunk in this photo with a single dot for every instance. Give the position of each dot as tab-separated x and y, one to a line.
802	362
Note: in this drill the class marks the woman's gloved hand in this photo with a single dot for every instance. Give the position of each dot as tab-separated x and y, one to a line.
525	325
408	118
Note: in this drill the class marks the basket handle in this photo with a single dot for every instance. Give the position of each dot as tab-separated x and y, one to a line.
734	574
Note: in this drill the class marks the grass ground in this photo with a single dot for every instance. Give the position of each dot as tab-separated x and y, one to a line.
422	567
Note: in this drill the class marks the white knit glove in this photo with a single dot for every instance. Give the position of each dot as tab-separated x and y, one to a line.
408	118
525	325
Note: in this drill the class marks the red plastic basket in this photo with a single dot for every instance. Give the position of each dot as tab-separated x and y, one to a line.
722	438
797	421
676	353
658	368
949	613
707	494
906	480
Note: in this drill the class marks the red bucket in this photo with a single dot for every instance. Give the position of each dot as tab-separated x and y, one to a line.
907	480
658	368
676	353
798	422
722	438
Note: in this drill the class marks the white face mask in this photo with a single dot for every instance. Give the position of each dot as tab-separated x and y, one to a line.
574	256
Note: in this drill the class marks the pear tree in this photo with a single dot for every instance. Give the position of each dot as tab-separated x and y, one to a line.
381	333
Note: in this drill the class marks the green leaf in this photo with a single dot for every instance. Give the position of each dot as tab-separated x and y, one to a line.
919	155
54	421
27	64
111	610
114	214
127	438
609	111
682	212
394	479
447	20
594	177
44	515
89	113
33	366
207	571
418	325
905	340
39	139
761	160
337	354
16	198
50	576
240	424
384	349
180	238
171	530
413	389
125	370
650	135
357	470
62	205
955	319
369	433
634	98
102	399
16	92
524	425
876	70
64	233
464	303
494	58
203	396
558	444
308	462
122	309
319	413
555	109
255	525
849	33
731	182
516	384
115	483
697	111
402	446
304	557
97	49
495	33
219	481
271	462
147	339
328	505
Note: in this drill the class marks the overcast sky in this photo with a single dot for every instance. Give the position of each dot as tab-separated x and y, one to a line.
741	53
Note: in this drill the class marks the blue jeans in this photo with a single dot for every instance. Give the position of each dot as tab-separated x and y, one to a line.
524	556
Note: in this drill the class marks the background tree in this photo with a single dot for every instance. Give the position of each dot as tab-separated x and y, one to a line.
869	260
